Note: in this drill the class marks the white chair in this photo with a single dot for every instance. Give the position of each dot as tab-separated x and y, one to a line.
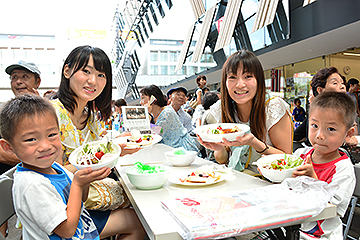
353	204
6	204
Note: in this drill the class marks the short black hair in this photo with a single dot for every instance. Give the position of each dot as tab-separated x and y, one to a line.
209	99
20	107
337	102
156	92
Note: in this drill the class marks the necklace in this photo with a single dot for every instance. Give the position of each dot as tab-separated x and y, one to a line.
159	112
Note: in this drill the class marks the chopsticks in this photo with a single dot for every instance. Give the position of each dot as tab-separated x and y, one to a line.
131	164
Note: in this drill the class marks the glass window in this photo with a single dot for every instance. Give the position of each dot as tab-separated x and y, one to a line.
164	70
154	70
154	56
163	56
172	70
173	56
202	69
203	59
191	70
209	58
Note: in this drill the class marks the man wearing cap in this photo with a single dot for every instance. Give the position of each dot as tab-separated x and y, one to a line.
177	97
25	78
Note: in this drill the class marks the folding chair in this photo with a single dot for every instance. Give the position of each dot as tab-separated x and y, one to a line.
353	204
6	204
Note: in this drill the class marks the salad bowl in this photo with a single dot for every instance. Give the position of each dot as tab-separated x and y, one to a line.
277	167
216	132
110	154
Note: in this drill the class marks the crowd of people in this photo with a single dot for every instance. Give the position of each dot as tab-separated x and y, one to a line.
39	134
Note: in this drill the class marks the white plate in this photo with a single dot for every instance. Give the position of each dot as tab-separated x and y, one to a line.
209	137
156	139
176	180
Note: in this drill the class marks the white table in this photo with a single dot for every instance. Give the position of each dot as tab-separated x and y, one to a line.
147	203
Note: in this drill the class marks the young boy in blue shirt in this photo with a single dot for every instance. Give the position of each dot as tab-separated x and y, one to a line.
331	119
47	197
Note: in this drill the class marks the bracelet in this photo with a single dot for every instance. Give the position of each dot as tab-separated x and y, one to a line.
266	148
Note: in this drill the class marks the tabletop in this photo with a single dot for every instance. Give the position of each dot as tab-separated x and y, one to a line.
147	203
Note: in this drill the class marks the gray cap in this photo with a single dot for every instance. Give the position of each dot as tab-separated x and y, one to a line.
22	64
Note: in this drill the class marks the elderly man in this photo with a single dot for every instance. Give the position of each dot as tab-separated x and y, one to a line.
177	97
25	78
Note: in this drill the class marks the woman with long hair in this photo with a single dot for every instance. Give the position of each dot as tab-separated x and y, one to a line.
244	100
85	90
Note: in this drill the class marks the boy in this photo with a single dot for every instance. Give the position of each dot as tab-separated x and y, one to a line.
47	197
298	112
331	119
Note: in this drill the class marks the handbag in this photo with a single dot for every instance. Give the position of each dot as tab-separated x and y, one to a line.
106	194
193	103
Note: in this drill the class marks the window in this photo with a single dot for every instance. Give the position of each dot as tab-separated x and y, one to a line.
191	70
163	56
172	70
209	58
164	70
173	56
154	70
154	56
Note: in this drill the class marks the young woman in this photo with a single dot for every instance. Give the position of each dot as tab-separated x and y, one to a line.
174	133
85	89
201	82
243	100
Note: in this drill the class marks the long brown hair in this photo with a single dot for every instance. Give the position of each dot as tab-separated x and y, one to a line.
250	64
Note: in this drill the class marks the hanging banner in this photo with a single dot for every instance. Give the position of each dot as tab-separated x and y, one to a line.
275	80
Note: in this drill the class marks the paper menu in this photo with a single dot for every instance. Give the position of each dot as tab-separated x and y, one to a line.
234	213
136	117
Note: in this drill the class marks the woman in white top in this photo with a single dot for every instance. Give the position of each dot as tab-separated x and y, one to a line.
244	100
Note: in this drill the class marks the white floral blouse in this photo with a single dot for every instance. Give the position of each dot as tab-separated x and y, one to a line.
70	136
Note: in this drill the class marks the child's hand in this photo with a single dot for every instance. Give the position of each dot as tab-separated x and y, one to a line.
306	169
88	175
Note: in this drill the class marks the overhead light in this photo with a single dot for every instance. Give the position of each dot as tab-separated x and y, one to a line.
352	54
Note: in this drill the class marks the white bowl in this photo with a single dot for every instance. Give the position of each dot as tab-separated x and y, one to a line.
209	137
149	180
111	162
274	175
181	160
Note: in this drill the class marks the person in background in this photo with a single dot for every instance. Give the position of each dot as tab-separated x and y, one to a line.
119	116
174	133
207	101
201	83
352	87
86	89
244	100
299	113
186	106
331	118
325	80
177	98
24	78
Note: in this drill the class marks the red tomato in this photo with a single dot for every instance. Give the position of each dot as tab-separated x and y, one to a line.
99	154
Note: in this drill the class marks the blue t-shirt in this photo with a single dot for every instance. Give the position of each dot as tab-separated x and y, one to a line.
299	114
86	228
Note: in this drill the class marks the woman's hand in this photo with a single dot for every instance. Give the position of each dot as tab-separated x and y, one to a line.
124	150
211	145
306	169
247	139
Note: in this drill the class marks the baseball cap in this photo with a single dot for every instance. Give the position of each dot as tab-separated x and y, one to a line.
22	64
176	89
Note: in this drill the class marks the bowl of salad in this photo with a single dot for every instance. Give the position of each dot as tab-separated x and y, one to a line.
216	132
96	155
277	167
